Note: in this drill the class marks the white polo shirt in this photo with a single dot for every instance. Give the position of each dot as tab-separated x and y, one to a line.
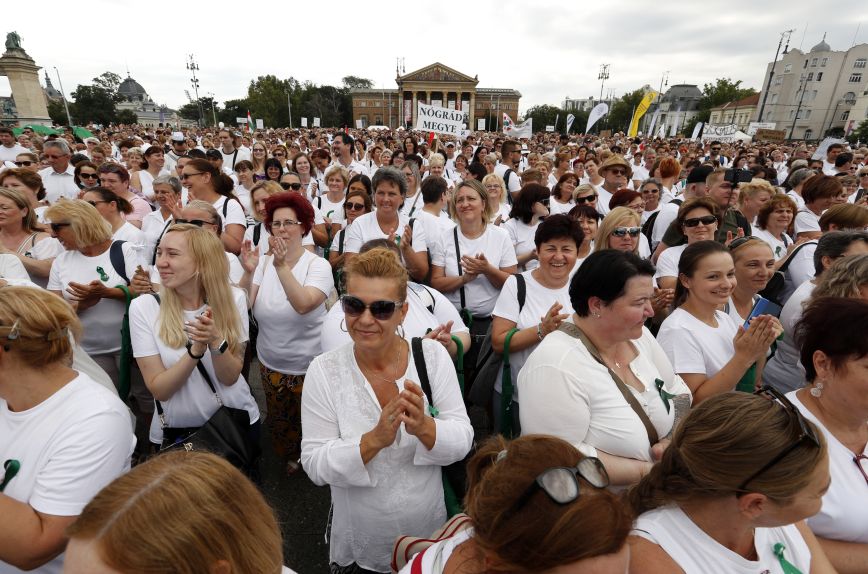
59	185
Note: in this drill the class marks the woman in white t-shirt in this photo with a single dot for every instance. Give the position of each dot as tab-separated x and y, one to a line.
621	230
22	238
199	317
63	436
257	234
536	504
562	194
528	209
732	491
246	181
113	208
302	166
546	301
709	350
86	276
239	534
153	167
496	190
357	203
698	219
573	384
754	266
773	221
589	220
206	182
167	195
413	201
834	355
820	192
288	289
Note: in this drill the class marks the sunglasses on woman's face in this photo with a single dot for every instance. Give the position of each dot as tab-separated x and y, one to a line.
196	222
381	310
292	186
586	199
704	220
624	231
354	206
24	163
88	176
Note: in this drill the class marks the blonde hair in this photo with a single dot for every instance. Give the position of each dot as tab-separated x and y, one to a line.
752	189
43	322
269	187
88	226
378	263
480	191
209	209
212	273
182	512
494	178
337	170
28	222
436	160
616	218
845	278
584	188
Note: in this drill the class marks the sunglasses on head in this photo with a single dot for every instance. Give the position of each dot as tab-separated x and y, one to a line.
624	231
704	220
196	222
292	186
381	310
586	199
561	484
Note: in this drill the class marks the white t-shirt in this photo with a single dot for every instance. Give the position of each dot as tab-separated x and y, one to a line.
779	248
427	309
434	226
328	208
193	404
480	294
234	212
102	322
10	153
556	207
365	228
45	248
667	263
522	237
59	185
537	302
69	447
784	370
230	160
698	553
412	205
565	392
603	199
668	212
802	266
806	221
694	347
287	340
514	183
153	226
842	515
131	234
640	173
800	203
12	268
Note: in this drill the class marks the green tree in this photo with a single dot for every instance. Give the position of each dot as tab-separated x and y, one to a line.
57	112
350	82
860	134
127	117
93	104
621	112
233	109
108	81
723	90
545	115
267	97
190	110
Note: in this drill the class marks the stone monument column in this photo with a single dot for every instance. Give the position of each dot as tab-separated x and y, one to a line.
23	76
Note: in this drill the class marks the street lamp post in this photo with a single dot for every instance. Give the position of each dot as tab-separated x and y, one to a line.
65	103
803	87
191	65
787	33
602	76
213	111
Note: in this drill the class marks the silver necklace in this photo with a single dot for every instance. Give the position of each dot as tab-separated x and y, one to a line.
384	379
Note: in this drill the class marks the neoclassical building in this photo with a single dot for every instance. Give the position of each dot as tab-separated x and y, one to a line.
437	85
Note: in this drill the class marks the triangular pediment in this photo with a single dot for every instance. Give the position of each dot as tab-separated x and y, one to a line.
437	72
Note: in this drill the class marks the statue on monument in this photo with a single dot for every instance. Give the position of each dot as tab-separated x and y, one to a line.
13	41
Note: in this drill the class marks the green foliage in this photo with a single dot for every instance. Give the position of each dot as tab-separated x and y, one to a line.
233	109
860	133
57	112
127	117
723	90
108	81
545	115
621	112
351	82
190	110
92	104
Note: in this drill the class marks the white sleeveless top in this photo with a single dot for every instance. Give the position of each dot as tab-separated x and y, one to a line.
147	181
697	553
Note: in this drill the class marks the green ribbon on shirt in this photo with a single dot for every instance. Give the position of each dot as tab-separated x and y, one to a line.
664	396
786	567
10	468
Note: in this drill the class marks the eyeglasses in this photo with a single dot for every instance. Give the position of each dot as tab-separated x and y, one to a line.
586	199
287	223
561	483
196	222
861	461
93	203
806	432
55	227
292	186
381	310
88	176
24	163
354	206
617	171
624	231
650	190
186	176
704	220
278	154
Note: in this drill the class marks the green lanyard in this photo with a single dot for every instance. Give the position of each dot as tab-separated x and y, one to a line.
10	468
786	567
664	396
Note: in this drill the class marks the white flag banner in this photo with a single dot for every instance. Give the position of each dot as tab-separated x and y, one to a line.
661	132
557	119
304	122
570	119
654	119
260	125
674	129
359	124
439	120
316	122
598	112
522	130
480	124
696	131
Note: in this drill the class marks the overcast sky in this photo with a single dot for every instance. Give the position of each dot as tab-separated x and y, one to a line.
546	49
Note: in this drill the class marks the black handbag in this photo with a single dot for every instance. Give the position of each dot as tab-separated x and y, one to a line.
226	434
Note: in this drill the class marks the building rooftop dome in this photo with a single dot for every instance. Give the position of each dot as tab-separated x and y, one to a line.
822	46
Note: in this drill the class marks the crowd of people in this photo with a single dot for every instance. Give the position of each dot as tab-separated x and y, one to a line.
580	353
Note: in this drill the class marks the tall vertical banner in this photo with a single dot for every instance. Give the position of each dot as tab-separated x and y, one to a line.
570	119
316	122
654	119
557	119
598	112
249	122
408	111
507	123
640	111
697	129
304	122
480	124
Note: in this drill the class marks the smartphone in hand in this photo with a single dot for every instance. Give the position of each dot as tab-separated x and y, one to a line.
763	307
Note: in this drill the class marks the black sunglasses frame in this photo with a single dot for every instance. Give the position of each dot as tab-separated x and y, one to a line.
382	310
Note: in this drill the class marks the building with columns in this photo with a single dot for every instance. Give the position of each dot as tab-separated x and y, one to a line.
436	85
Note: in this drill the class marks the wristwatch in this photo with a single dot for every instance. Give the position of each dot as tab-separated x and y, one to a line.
221	348
189	346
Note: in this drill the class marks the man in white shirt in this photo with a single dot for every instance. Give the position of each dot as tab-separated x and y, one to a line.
9	149
616	172
507	169
59	177
342	151
179	148
714	155
642	171
231	154
831	154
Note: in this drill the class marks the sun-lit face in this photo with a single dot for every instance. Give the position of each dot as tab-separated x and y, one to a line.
712	281
754	265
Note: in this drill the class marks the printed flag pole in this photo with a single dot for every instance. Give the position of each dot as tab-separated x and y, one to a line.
249	122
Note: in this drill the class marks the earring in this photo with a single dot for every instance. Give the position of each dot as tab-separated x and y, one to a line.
400	330
817	389
344	326
596	315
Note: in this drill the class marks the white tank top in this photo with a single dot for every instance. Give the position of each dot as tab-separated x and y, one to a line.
147	181
697	553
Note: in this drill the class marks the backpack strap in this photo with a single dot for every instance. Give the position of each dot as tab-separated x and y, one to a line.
786	264
160	238
116	256
521	290
422	372
257	233
465	314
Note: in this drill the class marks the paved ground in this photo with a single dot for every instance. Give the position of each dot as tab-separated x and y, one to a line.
301	507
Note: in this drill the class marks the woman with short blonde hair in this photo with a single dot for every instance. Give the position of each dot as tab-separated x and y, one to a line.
495	189
621	229
22	237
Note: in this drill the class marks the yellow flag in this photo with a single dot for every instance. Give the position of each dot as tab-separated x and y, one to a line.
640	111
